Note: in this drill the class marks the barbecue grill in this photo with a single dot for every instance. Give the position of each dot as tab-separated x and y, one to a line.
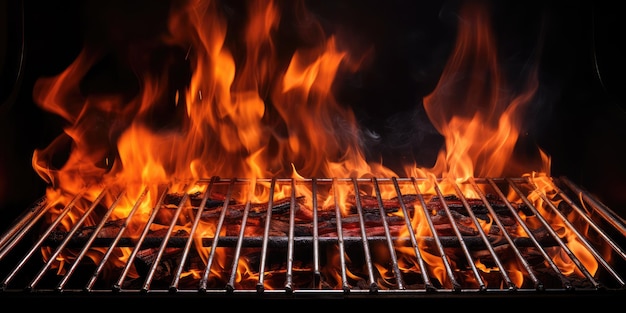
417	238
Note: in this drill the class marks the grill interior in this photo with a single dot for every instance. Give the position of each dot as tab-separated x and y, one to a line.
300	248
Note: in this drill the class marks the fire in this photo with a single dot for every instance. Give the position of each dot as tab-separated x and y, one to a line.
245	111
473	107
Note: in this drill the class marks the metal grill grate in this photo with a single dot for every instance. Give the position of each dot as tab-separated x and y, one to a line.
321	237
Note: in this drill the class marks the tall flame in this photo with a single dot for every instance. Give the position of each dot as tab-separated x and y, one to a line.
473	107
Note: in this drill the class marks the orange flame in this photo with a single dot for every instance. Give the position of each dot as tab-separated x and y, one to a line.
473	107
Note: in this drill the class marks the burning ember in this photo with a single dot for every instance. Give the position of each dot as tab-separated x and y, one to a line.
234	143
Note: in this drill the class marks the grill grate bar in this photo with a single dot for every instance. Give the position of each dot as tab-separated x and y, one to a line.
220	224
390	244
281	242
292	210
266	231
366	251
230	286
316	247
345	286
